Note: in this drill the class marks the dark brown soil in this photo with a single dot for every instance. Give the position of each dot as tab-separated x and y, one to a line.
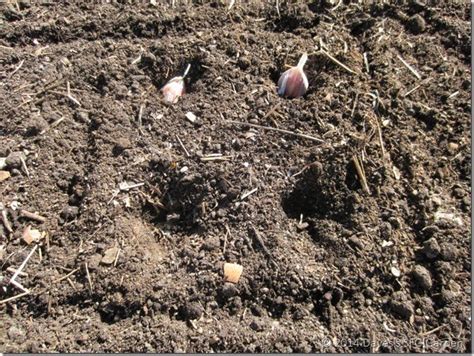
340	270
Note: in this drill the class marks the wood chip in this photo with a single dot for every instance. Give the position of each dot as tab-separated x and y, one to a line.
109	256
4	175
232	272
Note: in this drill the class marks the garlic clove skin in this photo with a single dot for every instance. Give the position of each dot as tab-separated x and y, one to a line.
293	83
173	90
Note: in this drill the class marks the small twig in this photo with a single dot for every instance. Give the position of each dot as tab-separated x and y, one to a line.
410	68
54	124
411	91
25	168
379	131
337	62
66	276
70	96
32	216
6	222
225	238
215	158
71	283
366	61
337	5
88	277
356	100
278	8
278	130
360	173
136	60
231	4
140	114
271	111
432	331
116	257
182	146
245	195
19	269
19	286
13	270
14	297
453	95
17	68
262	244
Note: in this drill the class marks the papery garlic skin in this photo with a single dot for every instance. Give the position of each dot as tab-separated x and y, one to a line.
173	90
293	83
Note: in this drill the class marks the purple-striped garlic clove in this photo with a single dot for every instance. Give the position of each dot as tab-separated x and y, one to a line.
293	83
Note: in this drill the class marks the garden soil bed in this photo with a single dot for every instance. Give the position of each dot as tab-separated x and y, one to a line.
359	241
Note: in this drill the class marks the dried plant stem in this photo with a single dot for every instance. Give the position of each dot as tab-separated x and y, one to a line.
14	297
337	62
32	216
19	269
361	174
410	68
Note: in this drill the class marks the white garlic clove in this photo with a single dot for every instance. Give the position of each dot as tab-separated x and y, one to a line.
293	83
174	89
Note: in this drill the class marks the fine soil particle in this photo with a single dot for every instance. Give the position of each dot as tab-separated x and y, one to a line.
318	226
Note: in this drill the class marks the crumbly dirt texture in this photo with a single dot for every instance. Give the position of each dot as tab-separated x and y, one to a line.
357	243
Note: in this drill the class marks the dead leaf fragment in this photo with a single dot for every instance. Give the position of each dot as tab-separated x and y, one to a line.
109	256
232	272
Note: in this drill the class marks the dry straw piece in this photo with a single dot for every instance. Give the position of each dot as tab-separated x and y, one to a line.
232	272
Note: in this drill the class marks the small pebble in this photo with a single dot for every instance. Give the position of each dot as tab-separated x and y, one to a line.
16	334
192	311
422	277
401	306
14	160
109	256
257	325
229	290
416	24
431	248
447	296
69	212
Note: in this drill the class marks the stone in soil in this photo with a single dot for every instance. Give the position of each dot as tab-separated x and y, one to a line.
416	24
422	277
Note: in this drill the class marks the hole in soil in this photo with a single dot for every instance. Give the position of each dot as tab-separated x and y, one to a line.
324	190
113	312
189	199
293	17
428	118
158	72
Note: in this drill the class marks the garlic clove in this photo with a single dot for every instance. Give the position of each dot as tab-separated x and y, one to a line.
174	89
293	83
